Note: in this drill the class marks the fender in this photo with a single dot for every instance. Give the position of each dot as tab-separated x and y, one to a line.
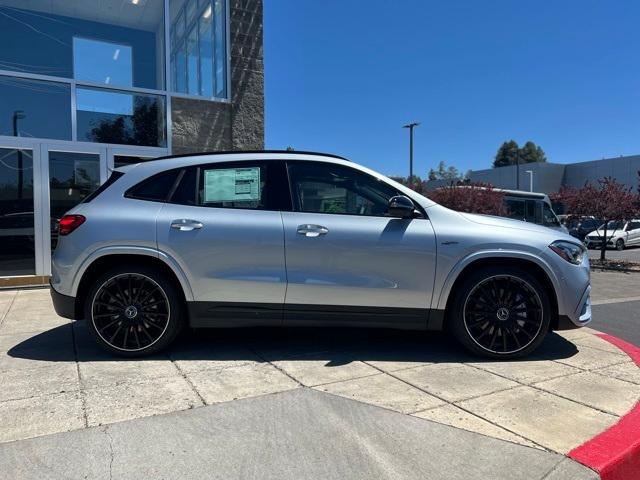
498	253
131	250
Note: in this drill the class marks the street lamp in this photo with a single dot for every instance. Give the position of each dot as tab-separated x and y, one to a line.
530	172
411	126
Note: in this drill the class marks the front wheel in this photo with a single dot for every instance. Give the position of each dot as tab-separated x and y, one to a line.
500	312
133	311
620	244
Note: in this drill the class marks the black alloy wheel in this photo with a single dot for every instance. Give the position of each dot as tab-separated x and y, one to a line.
133	313
500	312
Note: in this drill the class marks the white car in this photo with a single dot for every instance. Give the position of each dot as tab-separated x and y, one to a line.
620	234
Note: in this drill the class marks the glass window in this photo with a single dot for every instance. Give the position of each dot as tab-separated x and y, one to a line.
515	208
633	226
72	177
198	47
328	188
233	186
17	255
102	62
548	216
31	108
156	188
67	38
185	193
116	117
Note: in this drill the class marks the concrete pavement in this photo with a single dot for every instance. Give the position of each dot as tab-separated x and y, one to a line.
297	434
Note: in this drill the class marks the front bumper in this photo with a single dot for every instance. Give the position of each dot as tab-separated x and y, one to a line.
580	317
64	305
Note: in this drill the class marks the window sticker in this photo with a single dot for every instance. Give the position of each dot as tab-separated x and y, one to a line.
232	184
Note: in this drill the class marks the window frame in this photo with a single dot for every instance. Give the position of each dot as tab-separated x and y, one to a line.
297	208
129	192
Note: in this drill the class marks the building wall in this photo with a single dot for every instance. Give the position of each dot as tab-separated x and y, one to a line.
200	126
550	177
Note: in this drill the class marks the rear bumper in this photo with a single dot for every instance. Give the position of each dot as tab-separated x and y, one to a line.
64	305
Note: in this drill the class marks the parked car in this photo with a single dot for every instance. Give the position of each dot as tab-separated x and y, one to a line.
620	234
279	239
582	226
531	207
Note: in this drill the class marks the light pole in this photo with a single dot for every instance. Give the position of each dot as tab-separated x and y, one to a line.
411	126
530	172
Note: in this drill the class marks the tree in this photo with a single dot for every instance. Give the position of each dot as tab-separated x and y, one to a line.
444	173
471	198
507	154
510	153
609	200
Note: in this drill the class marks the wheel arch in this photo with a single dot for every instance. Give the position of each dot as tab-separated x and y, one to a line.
528	262
97	264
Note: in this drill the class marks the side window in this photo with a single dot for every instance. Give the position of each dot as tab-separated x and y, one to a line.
242	185
515	208
548	217
633	226
185	192
156	188
327	188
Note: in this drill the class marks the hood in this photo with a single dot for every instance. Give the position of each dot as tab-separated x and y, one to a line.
494	221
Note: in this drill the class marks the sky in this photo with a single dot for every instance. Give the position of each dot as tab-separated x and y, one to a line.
343	76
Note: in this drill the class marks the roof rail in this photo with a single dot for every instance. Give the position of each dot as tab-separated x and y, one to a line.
227	152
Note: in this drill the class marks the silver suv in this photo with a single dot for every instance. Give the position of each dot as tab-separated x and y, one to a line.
293	238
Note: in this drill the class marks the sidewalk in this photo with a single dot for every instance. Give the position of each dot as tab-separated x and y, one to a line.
293	435
55	379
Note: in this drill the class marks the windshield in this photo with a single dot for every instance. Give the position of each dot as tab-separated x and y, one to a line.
614	225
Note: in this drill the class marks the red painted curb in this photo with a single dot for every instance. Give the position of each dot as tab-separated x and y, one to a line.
615	453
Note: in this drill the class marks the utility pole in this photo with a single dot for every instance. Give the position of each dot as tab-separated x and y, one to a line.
411	126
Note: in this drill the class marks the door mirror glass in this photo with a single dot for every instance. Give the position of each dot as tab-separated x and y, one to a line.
401	207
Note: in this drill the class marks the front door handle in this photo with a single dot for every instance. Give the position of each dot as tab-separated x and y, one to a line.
309	230
186	225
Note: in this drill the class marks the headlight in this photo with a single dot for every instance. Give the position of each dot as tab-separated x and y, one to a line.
571	252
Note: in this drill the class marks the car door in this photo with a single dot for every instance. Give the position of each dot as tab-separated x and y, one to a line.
222	225
633	229
347	261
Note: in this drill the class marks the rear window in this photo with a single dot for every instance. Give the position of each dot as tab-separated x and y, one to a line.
156	188
110	181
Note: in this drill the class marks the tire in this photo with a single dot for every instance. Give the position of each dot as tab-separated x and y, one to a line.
500	313
134	311
620	244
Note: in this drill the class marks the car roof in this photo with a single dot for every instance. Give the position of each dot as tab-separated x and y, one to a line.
244	152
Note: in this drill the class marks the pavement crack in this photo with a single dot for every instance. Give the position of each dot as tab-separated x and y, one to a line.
284	372
111	452
188	380
83	396
6	313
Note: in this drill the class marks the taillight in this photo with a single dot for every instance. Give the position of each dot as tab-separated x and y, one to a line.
69	223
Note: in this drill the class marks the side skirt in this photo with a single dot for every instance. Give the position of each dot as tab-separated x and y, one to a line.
231	315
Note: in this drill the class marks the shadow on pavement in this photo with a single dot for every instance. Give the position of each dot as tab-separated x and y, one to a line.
338	346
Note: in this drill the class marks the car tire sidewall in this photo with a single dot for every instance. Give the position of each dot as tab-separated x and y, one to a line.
175	321
455	314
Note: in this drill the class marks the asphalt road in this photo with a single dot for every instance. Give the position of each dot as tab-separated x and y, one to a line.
619	319
631	254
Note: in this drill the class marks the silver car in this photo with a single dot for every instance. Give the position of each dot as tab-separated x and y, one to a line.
292	238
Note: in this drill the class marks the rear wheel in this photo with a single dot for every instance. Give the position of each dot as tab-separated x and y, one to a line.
133	311
500	312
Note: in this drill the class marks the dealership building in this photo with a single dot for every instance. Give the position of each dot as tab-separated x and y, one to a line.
87	86
551	177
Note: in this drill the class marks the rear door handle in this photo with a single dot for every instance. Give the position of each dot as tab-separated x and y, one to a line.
186	225
309	230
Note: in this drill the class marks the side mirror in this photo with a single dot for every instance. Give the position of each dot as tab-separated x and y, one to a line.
401	207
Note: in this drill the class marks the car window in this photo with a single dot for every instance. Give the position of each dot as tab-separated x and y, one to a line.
548	216
515	208
328	188
633	226
185	191
155	188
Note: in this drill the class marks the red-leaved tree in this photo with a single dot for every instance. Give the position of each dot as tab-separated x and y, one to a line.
471	198
608	200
